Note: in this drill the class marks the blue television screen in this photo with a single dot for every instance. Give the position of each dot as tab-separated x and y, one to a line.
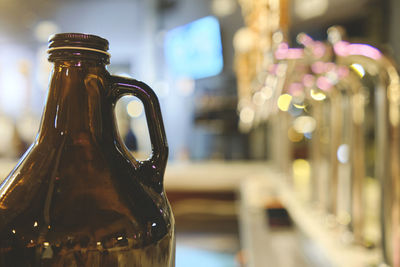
195	50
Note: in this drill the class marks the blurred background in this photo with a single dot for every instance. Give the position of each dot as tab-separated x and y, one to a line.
281	117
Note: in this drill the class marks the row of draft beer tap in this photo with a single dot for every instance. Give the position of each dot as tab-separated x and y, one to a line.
333	109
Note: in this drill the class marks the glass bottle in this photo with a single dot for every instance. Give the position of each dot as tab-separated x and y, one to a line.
77	197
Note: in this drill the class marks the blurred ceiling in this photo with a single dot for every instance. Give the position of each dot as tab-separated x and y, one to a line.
18	18
305	13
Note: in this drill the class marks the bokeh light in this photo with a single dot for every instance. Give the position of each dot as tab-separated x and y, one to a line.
284	102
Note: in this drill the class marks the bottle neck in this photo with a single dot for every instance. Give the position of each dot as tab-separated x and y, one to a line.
76	96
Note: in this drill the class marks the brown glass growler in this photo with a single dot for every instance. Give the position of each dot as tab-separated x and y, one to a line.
77	197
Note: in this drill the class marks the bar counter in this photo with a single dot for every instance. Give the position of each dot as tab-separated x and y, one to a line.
252	186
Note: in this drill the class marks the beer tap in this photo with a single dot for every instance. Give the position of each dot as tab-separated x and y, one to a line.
318	59
287	63
366	59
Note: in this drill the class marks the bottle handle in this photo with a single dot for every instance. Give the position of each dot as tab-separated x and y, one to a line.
124	86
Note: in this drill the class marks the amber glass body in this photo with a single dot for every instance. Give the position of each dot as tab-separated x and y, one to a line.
77	197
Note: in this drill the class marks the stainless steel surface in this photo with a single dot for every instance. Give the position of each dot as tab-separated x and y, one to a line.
359	116
386	93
